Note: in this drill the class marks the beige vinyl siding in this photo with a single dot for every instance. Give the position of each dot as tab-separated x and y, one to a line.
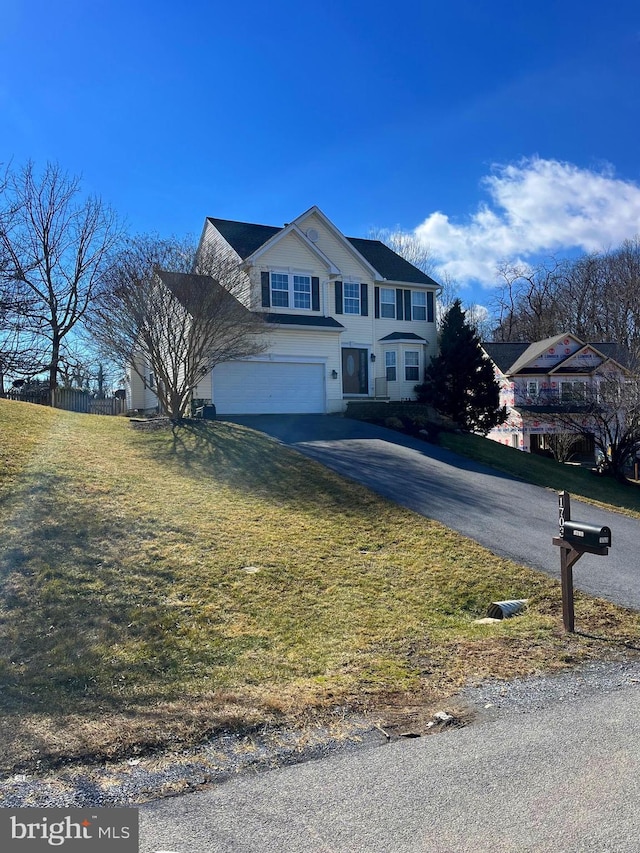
135	390
294	344
140	396
401	388
292	256
226	265
333	248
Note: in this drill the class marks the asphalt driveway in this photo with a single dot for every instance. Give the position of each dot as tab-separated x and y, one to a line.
513	519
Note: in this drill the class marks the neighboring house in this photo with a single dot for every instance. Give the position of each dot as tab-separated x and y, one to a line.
539	380
346	318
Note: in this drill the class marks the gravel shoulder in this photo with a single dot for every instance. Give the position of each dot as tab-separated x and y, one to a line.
142	779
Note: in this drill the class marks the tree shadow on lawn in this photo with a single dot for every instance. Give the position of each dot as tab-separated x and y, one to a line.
77	629
244	459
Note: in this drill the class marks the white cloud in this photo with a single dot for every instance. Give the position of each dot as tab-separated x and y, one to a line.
536	207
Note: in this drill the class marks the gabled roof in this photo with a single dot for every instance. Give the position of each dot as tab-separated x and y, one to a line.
538	348
503	355
389	264
189	287
512	358
246	238
311	246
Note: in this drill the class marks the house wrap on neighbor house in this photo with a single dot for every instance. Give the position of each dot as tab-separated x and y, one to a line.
346	318
538	380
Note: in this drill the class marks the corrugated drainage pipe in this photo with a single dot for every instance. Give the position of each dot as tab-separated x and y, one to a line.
505	609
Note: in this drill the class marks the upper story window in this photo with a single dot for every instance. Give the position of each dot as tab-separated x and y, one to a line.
399	303
302	291
573	391
279	290
418	305
351	298
388	303
290	290
532	388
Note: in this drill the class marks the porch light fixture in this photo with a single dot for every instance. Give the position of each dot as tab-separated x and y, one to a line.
373	356
334	374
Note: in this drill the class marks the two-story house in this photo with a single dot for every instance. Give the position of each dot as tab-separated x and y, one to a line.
345	318
540	380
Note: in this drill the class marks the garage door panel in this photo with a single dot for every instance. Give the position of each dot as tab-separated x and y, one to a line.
259	387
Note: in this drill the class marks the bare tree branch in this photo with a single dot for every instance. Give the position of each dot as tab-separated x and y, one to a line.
53	247
178	323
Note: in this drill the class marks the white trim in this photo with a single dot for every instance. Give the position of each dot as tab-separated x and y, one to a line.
292	228
340	237
405	353
274	356
391	290
291	274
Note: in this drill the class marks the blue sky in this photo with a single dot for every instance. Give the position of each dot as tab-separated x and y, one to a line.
492	130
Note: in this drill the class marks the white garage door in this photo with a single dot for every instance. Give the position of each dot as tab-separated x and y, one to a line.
268	387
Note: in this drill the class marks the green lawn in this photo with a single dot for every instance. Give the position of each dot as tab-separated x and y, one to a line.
545	472
159	585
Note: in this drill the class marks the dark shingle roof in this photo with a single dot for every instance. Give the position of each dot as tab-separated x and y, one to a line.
504	355
185	286
302	320
246	238
188	288
402	336
615	351
388	263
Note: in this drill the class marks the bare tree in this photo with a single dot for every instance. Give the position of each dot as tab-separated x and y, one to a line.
596	296
561	445
529	305
607	409
178	323
407	245
53	247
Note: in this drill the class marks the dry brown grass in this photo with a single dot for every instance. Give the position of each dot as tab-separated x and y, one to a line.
160	586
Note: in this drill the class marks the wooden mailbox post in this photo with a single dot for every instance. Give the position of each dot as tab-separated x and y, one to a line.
574	540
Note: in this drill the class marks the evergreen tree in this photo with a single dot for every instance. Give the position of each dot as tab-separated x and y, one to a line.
459	382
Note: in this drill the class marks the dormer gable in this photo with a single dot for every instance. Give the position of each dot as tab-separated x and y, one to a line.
584	360
309	244
369	260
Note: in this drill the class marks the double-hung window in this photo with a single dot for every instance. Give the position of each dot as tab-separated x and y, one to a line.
302	291
418	305
390	362
411	365
351	298
290	290
388	303
279	290
532	388
573	391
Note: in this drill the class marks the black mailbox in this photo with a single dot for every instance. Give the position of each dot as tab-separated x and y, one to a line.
587	535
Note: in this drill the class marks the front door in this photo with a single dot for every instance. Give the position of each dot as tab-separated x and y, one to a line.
355	371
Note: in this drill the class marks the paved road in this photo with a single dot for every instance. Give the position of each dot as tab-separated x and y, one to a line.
511	518
558	769
564	779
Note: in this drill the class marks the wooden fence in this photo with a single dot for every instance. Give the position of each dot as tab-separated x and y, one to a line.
69	399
